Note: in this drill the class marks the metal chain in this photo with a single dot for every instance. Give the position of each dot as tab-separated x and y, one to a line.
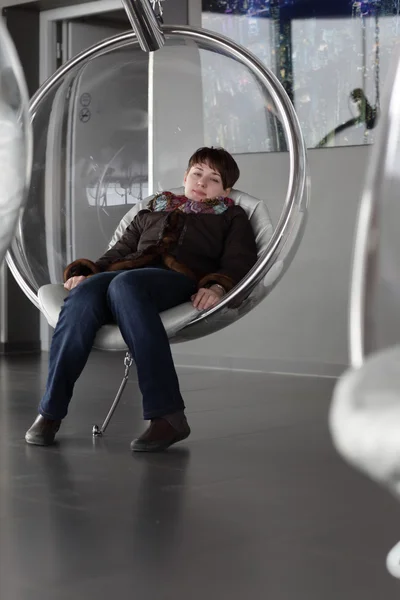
356	8
128	360
377	62
158	8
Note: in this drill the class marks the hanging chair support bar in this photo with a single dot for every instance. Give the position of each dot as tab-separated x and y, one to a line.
96	431
145	24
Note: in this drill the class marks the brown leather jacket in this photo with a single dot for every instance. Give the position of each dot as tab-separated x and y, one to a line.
210	248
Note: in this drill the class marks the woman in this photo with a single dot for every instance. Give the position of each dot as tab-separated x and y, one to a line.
196	246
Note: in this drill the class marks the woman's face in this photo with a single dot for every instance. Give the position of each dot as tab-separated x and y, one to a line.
202	182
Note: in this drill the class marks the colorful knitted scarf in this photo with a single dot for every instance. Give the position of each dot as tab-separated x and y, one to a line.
167	201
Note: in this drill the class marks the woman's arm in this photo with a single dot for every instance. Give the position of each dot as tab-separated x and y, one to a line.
239	254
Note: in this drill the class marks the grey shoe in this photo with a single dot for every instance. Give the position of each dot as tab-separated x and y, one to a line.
42	432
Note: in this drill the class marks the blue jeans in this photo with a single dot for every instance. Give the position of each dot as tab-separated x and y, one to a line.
132	299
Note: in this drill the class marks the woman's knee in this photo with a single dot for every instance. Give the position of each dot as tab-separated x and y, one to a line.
127	282
89	293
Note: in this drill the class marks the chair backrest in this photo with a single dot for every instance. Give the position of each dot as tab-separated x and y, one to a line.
256	211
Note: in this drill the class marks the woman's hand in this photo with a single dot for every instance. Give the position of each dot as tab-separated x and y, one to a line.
207	297
72	282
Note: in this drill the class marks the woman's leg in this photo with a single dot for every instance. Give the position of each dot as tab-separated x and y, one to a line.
84	311
136	298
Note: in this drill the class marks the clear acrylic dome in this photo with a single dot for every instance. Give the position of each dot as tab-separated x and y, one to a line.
15	140
116	124
375	294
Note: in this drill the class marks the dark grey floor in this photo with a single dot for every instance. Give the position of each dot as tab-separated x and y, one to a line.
256	504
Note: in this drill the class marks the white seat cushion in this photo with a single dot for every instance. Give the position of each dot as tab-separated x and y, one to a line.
51	296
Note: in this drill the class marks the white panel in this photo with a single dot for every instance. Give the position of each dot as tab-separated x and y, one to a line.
177	112
84	35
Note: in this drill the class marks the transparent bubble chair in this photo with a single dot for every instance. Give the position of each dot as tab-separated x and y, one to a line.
15	140
115	125
365	410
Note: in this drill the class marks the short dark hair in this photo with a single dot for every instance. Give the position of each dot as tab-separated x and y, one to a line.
220	160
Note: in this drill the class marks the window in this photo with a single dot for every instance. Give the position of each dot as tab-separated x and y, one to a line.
332	57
